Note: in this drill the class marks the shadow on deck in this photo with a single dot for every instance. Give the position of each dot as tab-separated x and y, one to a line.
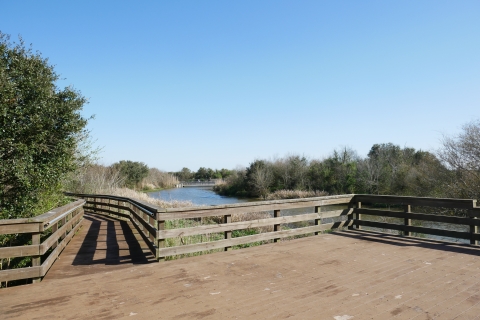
102	244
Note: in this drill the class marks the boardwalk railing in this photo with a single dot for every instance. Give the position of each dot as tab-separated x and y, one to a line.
50	233
445	217
227	227
212	227
141	214
380	213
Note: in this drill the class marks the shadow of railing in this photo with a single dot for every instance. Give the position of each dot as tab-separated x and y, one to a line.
111	231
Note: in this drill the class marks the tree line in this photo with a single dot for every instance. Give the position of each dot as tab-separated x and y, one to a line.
387	169
202	174
97	178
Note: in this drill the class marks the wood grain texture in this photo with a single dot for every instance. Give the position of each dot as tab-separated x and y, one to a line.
222	227
248	239
417	201
419	216
436	232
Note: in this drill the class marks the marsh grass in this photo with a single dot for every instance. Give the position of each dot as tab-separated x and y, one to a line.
294	194
209	237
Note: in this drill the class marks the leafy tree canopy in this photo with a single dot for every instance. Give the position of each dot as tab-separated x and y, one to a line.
40	128
132	172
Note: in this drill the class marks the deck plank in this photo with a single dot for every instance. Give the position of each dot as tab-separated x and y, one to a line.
353	273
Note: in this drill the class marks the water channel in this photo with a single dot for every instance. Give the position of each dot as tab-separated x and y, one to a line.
203	196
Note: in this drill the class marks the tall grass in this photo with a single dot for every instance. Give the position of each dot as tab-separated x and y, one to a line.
157	179
129	193
294	194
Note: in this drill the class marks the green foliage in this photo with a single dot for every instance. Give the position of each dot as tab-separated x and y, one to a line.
40	129
132	172
184	174
387	169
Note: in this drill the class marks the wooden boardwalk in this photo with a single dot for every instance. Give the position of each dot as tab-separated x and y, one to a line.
103	244
342	275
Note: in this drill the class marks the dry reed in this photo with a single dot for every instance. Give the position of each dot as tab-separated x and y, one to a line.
294	194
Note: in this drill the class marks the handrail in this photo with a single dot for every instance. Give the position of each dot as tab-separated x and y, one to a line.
141	214
63	222
155	224
158	232
362	215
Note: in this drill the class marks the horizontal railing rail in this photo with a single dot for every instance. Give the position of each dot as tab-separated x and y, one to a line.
62	223
408	205
226	226
215	229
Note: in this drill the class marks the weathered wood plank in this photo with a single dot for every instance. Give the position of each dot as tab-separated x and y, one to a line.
53	216
19	227
407	221
147	206
419	216
145	224
247	239
222	227
227	219
417	201
19	274
53	238
19	251
47	264
335	213
436	232
121	207
277	226
97	210
187	214
151	229
246	207
151	245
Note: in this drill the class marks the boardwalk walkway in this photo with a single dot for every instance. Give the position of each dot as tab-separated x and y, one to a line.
343	275
101	245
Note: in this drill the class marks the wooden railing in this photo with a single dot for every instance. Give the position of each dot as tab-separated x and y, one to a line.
401	214
141	214
56	227
150	220
227	226
357	211
410	213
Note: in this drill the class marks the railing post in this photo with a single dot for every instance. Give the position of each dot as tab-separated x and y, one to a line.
36	260
228	234
473	228
54	229
407	221
63	221
358	216
276	227
317	209
160	224
352	216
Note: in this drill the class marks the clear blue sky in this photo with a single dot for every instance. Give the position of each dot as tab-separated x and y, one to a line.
220	83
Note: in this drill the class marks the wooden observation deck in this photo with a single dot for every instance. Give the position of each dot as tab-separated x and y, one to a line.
109	270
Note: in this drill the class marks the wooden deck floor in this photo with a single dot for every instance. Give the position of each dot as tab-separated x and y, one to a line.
103	244
344	275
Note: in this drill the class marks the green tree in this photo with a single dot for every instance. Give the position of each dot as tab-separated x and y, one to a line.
40	130
259	178
184	174
132	172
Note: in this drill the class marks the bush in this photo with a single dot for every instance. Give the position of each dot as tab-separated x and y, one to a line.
41	127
